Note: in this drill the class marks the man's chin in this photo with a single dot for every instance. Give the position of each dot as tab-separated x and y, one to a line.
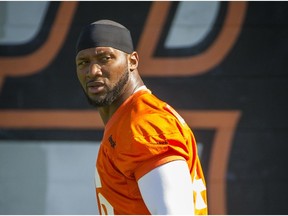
96	103
99	102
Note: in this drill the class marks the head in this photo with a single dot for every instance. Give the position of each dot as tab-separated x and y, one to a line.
106	62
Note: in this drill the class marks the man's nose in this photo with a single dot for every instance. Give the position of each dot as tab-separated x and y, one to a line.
94	70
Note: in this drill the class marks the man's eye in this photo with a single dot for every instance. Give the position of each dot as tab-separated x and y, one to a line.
105	58
82	63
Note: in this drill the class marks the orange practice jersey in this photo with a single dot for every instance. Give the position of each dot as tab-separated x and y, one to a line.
142	134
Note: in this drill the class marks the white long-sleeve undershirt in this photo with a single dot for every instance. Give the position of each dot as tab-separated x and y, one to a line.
167	189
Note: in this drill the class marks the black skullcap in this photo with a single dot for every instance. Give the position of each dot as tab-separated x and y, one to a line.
105	33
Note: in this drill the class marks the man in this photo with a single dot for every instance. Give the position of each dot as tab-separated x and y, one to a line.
147	161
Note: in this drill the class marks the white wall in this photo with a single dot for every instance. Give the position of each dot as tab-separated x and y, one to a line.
47	177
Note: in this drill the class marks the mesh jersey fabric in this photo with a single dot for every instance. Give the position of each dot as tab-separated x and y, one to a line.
142	134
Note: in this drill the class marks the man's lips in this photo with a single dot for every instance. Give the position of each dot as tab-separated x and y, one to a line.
95	87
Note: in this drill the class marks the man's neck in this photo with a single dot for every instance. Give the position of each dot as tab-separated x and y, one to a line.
107	111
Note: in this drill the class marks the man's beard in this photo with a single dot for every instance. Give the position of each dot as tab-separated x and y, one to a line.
112	94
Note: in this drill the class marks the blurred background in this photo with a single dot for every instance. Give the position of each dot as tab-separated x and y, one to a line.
222	65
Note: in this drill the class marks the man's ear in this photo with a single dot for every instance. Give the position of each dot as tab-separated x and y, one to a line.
133	61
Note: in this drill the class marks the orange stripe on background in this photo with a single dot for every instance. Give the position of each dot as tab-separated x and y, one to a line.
34	62
184	66
57	119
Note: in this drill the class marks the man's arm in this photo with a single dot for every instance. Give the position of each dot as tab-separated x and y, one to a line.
167	189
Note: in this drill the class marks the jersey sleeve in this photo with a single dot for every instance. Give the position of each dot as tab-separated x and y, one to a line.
157	139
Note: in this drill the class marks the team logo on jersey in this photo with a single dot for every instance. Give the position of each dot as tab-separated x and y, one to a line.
111	141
